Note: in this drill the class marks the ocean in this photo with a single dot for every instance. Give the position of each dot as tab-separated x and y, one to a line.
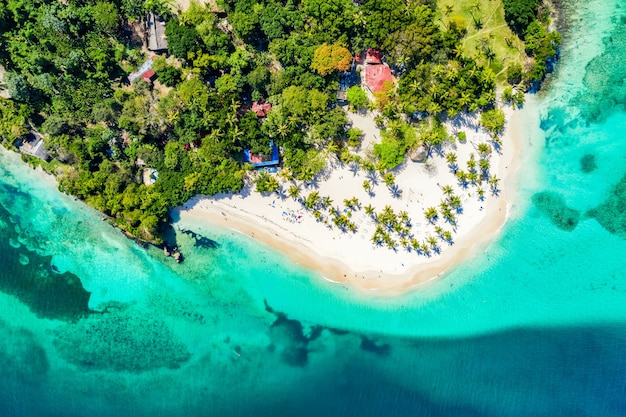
92	324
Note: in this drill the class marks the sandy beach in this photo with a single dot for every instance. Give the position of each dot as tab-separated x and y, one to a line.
284	224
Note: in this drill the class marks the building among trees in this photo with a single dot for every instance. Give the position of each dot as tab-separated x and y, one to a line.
262	161
145	71
155	26
376	76
32	144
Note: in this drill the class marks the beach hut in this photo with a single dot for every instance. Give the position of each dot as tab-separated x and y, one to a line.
32	144
261	161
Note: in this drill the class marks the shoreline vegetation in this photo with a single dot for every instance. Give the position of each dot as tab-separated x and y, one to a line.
376	125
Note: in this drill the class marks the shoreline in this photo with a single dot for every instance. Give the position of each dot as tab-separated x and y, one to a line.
231	212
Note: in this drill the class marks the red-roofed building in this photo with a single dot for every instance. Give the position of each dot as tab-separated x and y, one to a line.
373	56
358	59
376	75
145	71
148	75
260	108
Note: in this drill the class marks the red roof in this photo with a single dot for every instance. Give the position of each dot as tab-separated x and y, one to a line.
358	58
376	75
255	159
261	109
147	75
373	56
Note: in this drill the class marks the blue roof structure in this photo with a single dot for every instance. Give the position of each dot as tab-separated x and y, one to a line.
258	162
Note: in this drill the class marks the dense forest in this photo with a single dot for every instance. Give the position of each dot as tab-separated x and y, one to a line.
67	64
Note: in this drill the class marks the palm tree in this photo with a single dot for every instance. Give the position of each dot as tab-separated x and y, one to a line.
483	164
455	202
404	216
448	191
312	200
481	194
369	210
389	179
327	201
451	158
493	182
431	215
483	149
282	130
461	176
439	231
432	242
471	164
294	192
447	236
332	147
367	186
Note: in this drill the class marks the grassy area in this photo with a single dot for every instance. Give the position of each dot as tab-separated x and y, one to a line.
487	33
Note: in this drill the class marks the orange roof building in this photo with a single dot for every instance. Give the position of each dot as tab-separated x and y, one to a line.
373	56
261	109
376	75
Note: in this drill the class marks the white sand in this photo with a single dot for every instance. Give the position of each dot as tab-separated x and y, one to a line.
351	257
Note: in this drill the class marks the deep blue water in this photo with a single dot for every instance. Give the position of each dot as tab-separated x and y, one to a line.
535	325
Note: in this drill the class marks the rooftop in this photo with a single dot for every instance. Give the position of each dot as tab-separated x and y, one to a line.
145	71
376	76
259	161
155	26
373	56
261	108
32	144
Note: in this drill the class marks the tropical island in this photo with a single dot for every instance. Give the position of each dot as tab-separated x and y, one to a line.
378	133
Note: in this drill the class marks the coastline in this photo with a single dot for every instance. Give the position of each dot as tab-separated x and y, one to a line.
344	263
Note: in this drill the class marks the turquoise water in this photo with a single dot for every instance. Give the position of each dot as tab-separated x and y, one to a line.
93	325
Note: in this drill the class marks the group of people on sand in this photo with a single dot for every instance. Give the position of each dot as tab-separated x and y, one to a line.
292	217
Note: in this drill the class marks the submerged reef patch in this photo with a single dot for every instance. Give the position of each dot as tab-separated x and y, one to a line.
605	79
611	214
21	357
554	207
588	163
31	278
120	341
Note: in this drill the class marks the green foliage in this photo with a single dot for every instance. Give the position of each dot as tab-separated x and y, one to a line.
514	73
67	67
397	139
435	134
265	183
181	39
354	137
493	121
459	85
357	97
542	45
106	16
520	13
